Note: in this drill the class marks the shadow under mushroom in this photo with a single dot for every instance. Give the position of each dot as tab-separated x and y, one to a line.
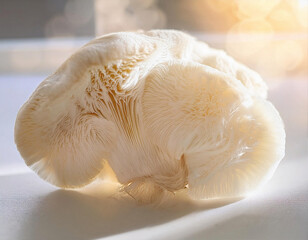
95	213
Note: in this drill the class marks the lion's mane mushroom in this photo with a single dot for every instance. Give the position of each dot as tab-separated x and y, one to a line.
166	111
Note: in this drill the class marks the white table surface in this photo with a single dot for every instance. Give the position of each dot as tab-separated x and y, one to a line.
32	209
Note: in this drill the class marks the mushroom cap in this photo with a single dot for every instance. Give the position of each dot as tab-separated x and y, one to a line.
231	141
59	132
164	110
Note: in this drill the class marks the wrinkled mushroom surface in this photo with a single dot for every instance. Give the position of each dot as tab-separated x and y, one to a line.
166	111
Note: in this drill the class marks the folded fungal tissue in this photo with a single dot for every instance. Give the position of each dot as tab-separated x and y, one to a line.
166	111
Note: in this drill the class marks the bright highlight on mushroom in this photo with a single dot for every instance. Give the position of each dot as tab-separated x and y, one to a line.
166	111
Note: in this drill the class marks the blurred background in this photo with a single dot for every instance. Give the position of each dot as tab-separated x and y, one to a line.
270	36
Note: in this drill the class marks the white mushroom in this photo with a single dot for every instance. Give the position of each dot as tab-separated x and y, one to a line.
166	112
